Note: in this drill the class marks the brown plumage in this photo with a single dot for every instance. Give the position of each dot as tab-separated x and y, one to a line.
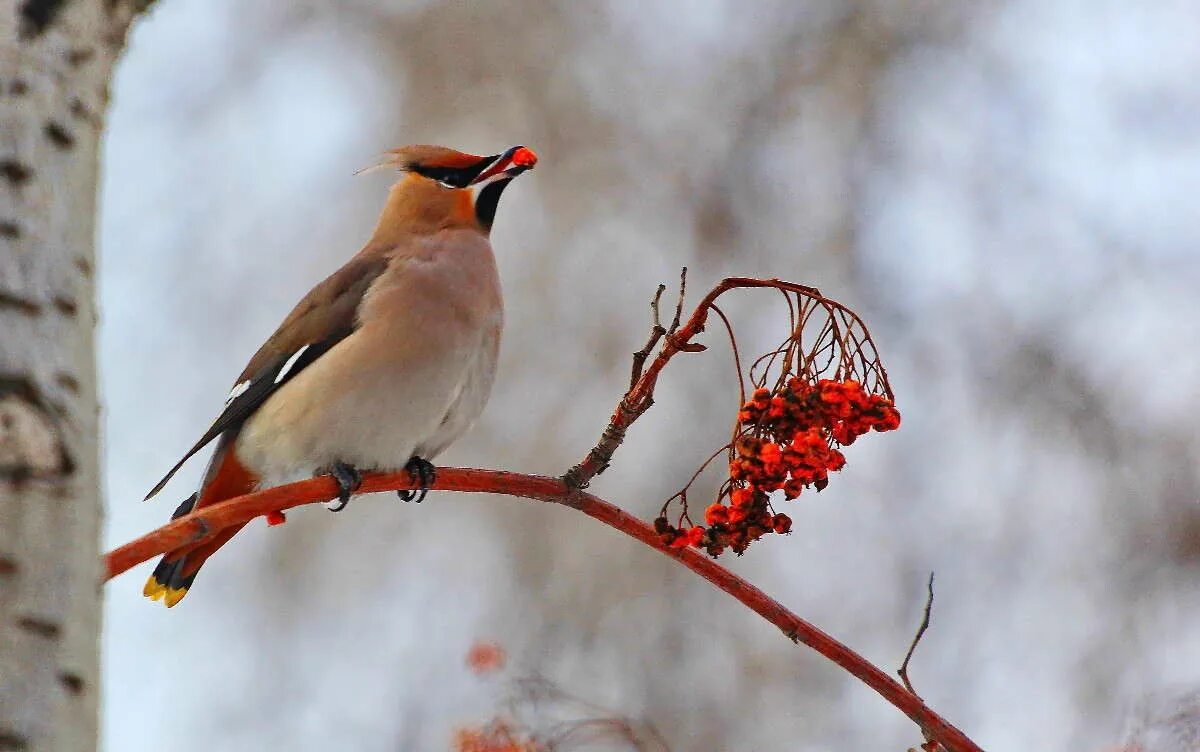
385	362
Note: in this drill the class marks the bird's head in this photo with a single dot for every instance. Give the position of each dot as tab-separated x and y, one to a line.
438	175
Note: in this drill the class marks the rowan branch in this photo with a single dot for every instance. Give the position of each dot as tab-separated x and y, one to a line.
568	491
205	522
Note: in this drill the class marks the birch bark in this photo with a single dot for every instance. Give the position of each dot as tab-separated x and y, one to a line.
56	61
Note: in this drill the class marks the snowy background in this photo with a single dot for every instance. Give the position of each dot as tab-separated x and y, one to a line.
1006	191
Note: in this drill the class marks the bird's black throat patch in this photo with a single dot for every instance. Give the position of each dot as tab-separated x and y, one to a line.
487	201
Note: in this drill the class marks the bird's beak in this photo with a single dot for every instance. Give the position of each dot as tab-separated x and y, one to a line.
510	164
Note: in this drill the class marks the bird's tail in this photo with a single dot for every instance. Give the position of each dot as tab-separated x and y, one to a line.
168	583
176	570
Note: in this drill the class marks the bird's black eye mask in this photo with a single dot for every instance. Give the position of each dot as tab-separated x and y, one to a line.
510	164
454	177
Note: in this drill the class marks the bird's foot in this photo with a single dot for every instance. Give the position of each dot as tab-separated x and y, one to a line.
348	479
423	474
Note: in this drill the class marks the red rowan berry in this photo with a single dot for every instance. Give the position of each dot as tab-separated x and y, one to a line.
716	514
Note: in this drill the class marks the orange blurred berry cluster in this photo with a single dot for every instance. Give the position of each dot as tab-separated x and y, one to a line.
786	444
497	736
486	657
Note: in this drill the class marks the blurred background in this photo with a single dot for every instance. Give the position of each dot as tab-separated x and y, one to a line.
1005	190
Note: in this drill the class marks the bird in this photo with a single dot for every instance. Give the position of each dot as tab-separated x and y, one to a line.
380	366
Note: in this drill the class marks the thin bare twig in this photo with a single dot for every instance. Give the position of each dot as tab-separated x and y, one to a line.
537	706
931	743
679	303
638	398
912	648
656	333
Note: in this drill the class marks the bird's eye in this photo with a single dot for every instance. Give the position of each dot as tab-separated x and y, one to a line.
446	176
453	177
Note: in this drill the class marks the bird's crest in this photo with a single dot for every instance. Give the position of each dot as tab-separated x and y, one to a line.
456	169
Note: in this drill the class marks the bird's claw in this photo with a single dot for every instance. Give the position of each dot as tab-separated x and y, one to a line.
423	474
348	479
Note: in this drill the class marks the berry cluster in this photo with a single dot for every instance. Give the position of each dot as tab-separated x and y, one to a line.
786	443
747	518
497	736
843	408
486	657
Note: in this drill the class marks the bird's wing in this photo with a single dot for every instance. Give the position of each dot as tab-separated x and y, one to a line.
326	316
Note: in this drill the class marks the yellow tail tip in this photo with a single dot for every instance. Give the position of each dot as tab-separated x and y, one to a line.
174	595
156	591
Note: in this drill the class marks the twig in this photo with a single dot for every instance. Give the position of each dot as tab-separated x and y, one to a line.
679	303
320	489
656	333
657	330
912	648
637	399
640	396
931	743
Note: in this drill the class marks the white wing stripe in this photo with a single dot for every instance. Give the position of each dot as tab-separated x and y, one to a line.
238	391
287	366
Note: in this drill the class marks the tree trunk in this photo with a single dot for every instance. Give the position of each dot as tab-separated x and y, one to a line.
56	59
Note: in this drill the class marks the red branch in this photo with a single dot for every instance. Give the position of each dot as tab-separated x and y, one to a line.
568	491
204	522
